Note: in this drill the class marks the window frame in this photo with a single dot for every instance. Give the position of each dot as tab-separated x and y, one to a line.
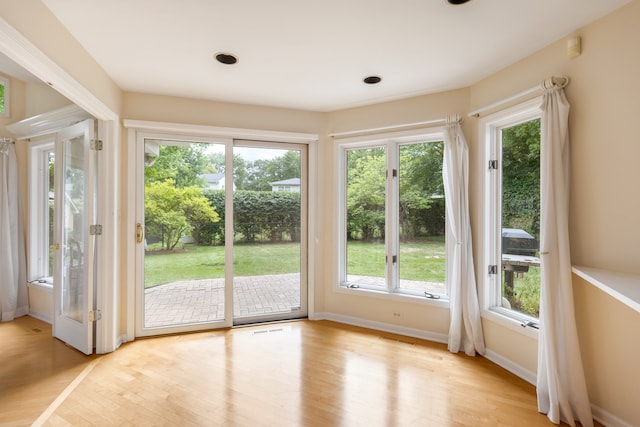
39	150
490	285
7	98
388	140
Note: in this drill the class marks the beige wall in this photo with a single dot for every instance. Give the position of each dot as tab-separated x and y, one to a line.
605	204
609	334
36	22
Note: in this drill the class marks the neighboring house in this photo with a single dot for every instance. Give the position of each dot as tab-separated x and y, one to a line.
292	184
215	181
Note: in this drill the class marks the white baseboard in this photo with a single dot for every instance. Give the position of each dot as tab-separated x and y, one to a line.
381	326
607	418
45	317
121	339
514	368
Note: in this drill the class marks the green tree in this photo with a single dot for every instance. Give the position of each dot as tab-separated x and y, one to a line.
170	211
366	180
240	172
521	177
182	164
421	189
263	171
2	106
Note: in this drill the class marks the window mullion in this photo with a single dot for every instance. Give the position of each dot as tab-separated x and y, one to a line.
392	216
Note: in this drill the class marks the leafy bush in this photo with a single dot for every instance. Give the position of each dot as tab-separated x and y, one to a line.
171	211
258	216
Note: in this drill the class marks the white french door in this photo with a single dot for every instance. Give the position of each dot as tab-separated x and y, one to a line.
74	238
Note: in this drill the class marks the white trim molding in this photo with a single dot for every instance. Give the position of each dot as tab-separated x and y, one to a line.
514	368
607	418
19	49
221	132
381	326
48	123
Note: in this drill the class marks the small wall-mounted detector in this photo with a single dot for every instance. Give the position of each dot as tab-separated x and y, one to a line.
574	47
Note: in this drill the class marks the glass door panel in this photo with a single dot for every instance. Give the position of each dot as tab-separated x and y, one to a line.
422	218
75	212
184	235
269	245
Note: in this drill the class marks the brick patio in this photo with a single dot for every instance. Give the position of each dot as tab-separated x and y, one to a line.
196	301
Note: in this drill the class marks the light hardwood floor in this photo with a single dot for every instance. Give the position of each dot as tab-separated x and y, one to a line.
286	374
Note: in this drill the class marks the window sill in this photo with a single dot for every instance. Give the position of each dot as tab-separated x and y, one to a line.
511	321
46	284
413	299
621	286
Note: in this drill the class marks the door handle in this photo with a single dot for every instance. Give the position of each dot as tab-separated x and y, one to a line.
56	247
139	233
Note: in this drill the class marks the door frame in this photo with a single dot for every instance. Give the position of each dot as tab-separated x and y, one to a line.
24	52
138	129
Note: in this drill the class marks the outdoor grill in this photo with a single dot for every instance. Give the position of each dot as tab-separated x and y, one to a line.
518	254
518	242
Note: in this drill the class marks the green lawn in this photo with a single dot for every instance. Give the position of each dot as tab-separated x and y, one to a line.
204	262
418	261
424	260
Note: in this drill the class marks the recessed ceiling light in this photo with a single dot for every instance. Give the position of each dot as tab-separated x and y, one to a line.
226	58
457	2
372	80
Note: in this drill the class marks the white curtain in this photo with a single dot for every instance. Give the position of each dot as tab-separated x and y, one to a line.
561	387
13	286
465	329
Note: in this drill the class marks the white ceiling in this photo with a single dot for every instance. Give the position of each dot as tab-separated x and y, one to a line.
313	55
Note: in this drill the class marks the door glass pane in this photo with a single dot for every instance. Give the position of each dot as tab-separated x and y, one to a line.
521	217
422	218
366	183
184	233
267	208
73	228
50	163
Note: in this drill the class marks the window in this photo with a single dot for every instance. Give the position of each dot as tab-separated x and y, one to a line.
4	97
393	217
41	200
512	226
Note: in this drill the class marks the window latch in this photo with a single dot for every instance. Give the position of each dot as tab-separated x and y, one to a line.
530	324
430	295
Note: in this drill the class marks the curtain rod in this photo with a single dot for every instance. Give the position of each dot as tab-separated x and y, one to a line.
559	81
442	121
7	140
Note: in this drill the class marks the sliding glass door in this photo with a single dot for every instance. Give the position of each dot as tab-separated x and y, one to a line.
269	240
218	249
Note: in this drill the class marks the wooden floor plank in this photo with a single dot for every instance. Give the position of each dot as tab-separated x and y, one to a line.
290	374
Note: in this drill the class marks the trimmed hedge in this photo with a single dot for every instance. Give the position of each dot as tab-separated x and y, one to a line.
259	216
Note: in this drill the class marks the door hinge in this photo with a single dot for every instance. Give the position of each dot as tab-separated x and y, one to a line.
394	173
94	315
493	269
95	230
493	164
96	144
